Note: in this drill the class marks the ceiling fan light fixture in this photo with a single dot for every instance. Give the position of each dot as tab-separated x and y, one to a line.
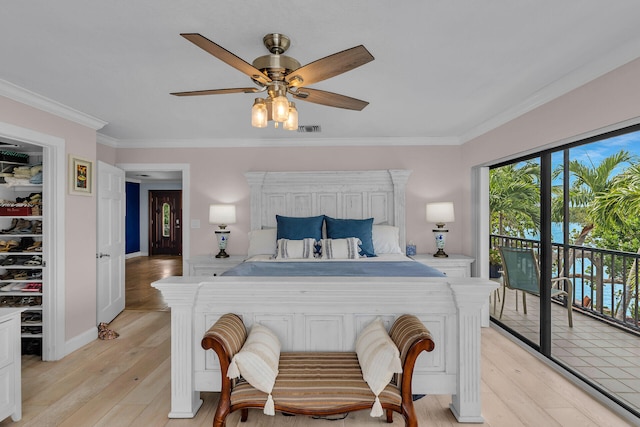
279	74
259	114
280	107
292	121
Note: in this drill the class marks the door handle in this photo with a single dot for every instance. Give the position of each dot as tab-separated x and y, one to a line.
102	255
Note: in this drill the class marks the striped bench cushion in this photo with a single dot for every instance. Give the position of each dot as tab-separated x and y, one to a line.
316	381
229	330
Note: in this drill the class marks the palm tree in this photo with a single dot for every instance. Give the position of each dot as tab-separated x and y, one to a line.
612	209
620	202
514	198
590	182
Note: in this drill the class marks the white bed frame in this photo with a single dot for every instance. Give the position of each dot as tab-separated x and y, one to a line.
326	313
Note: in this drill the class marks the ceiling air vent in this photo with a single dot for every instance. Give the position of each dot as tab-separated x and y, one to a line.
309	128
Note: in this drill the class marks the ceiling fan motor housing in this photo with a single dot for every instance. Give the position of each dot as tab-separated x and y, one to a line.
276	43
276	66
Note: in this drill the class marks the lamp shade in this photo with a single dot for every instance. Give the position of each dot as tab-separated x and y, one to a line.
440	212
222	214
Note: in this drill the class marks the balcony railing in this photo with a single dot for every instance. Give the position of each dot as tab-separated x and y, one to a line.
604	281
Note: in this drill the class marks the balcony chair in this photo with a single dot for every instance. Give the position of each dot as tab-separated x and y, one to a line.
522	273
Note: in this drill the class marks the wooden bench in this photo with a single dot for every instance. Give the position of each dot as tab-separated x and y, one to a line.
318	383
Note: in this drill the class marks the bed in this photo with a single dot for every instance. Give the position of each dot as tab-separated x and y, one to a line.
325	311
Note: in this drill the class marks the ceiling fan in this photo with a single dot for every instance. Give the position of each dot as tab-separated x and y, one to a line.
278	74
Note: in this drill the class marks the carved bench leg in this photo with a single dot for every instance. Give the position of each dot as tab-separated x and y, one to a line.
389	416
220	416
409	414
244	414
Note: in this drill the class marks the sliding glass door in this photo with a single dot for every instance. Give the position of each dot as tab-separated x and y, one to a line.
577	208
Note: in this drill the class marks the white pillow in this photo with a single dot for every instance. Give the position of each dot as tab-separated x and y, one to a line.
379	359
348	248
262	242
292	249
257	362
386	239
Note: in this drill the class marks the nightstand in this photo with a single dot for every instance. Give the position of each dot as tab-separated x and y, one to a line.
454	265
209	265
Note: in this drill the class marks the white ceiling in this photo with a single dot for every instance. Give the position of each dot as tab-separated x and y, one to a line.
444	71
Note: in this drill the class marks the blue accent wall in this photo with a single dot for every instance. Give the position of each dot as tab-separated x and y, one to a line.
132	220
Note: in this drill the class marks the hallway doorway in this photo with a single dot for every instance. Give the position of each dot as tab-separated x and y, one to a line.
140	272
165	222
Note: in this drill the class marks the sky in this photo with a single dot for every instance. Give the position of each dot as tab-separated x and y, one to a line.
595	152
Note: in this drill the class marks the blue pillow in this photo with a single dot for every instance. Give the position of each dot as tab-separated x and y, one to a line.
360	228
298	228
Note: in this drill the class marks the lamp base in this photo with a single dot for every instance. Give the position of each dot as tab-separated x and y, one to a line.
440	254
440	234
222	254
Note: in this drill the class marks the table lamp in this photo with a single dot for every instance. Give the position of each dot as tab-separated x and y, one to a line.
222	215
440	213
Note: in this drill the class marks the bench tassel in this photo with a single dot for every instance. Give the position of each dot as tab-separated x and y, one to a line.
232	370
269	408
376	409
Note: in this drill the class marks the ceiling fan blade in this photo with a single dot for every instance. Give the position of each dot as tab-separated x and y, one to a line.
329	98
217	91
226	56
329	66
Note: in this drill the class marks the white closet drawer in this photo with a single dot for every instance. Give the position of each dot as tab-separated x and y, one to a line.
7	391
7	349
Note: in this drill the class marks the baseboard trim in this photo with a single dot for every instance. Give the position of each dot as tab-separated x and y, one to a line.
133	255
81	340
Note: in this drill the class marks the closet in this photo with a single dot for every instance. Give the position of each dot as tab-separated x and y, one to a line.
23	275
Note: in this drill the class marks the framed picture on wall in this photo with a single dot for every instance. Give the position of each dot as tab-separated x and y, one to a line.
80	176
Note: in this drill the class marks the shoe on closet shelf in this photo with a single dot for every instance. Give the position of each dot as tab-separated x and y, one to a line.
24	226
20	275
14	222
18	287
32	287
10	260
32	317
7	246
6	288
36	246
35	260
35	274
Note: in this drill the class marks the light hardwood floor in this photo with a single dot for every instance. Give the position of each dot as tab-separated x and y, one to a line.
126	382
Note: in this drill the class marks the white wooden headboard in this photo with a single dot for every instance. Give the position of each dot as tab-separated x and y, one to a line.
378	194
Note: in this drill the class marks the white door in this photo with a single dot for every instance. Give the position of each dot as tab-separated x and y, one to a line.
111	235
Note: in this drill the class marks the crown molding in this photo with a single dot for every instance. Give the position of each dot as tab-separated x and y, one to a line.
107	140
571	81
32	99
285	142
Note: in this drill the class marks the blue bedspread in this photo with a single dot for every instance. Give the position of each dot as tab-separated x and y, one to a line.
335	268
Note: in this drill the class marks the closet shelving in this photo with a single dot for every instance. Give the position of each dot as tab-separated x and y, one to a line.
22	266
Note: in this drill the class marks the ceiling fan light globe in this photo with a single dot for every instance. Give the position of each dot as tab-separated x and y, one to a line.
259	117
280	107
292	120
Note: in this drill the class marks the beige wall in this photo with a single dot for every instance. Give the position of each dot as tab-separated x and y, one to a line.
217	176
80	218
591	109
